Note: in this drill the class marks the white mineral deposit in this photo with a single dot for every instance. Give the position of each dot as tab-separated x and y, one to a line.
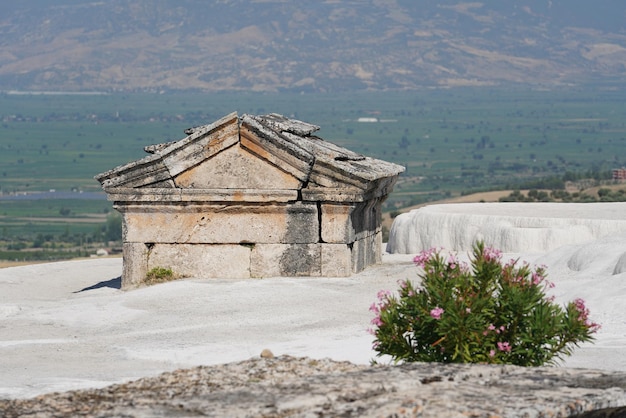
68	325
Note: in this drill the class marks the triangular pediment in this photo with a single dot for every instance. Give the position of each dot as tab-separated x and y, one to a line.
250	155
236	168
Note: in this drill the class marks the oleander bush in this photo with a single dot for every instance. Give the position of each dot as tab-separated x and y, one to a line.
481	312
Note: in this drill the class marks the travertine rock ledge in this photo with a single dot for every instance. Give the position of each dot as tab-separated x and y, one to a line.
301	387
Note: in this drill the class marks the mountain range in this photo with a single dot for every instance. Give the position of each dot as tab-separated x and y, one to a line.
309	46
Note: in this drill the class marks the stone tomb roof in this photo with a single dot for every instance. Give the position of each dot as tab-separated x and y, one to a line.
250	158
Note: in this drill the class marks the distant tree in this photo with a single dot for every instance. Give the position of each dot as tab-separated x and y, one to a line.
113	227
39	241
543	196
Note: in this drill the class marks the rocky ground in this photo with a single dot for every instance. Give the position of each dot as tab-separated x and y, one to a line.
302	387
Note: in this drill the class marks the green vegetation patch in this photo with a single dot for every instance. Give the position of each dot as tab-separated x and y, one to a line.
161	275
450	141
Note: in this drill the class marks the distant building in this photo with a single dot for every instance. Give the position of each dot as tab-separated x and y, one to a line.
619	173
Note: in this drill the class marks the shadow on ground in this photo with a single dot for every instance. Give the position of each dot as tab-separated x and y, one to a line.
115	283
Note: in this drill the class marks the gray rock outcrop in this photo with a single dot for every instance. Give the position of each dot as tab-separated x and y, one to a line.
302	387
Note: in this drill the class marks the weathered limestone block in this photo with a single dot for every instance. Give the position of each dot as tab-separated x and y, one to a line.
187	260
337	223
315	260
336	260
127	196
220	224
135	266
274	260
350	222
366	252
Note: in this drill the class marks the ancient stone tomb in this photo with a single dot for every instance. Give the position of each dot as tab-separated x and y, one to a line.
250	196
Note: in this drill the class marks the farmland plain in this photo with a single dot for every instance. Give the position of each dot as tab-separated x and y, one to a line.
451	141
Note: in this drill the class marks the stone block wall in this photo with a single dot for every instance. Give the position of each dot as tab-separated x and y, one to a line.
250	240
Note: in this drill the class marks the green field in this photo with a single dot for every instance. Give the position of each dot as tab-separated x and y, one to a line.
452	142
457	139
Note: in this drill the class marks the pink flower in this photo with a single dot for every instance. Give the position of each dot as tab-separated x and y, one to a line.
583	315
423	257
593	326
492	254
583	312
377	321
504	346
580	305
452	261
492	353
436	313
537	278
